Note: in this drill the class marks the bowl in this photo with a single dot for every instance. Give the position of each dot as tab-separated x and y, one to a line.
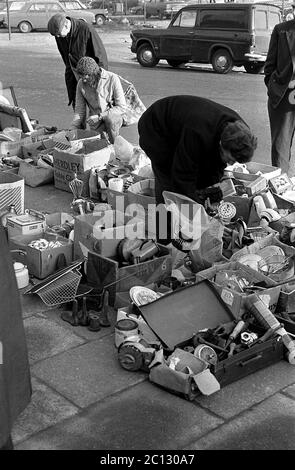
277	267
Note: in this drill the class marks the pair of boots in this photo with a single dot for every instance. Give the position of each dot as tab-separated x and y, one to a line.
90	318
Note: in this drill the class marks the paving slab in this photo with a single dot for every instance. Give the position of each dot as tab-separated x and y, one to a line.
45	409
88	373
290	391
267	426
238	396
31	304
45	338
143	417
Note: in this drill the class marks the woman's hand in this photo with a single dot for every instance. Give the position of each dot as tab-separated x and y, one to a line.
94	120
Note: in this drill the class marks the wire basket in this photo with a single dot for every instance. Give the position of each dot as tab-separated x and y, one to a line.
61	290
60	287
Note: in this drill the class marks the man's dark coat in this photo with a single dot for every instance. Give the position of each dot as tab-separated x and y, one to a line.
81	41
280	62
181	136
15	384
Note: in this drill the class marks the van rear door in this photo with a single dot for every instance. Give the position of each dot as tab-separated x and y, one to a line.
219	27
264	18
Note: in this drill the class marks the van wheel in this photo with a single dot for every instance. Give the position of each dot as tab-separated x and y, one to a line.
222	61
175	63
146	56
253	68
25	27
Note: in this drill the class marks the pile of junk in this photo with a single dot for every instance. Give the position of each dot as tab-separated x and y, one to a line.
215	304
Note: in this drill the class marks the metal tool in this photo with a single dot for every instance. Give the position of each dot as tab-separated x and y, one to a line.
232	348
76	186
266	318
248	338
240	326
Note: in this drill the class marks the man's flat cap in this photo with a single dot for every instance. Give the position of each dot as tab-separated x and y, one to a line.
56	23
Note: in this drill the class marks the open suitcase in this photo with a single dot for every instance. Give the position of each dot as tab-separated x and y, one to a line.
176	317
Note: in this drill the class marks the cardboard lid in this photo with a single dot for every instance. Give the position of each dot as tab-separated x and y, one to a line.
25	219
178	316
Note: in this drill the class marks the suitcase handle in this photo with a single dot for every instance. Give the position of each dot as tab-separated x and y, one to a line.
252	359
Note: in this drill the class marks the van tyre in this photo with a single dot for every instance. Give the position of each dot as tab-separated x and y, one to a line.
25	27
253	68
146	56
222	61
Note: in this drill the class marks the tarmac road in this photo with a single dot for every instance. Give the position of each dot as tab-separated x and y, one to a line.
31	63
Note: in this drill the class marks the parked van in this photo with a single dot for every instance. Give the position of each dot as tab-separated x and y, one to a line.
221	34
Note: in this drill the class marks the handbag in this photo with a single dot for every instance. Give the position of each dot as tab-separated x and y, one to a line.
135	107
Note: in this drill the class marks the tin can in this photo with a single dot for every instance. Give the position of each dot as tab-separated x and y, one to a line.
124	329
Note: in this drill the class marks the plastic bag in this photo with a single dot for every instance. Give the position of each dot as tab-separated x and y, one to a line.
123	149
200	234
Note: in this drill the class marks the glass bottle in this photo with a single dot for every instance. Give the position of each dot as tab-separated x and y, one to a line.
10	212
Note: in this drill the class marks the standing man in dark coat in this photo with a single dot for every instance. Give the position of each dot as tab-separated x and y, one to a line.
279	78
75	39
15	382
190	140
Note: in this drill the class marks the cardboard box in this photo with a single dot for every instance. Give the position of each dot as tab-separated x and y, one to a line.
253	184
58	218
93	154
267	171
245	209
43	263
118	201
271	239
102	271
29	223
141	196
286	302
236	300
227	187
8	149
102	232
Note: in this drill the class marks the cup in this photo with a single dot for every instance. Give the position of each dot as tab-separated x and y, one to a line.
116	184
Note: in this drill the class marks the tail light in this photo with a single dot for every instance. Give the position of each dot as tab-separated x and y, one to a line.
252	42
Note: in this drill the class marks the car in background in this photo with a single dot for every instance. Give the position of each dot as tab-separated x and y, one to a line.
221	34
160	9
101	14
33	15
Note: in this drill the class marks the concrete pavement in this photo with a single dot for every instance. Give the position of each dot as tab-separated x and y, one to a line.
82	399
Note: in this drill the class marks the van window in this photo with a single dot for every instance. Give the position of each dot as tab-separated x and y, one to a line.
260	20
186	19
273	19
224	19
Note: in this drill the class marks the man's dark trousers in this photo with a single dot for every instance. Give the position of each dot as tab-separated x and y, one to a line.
282	126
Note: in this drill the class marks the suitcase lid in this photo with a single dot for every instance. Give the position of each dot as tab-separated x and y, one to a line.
178	316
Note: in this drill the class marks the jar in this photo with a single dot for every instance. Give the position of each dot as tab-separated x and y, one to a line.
10	212
124	330
21	274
